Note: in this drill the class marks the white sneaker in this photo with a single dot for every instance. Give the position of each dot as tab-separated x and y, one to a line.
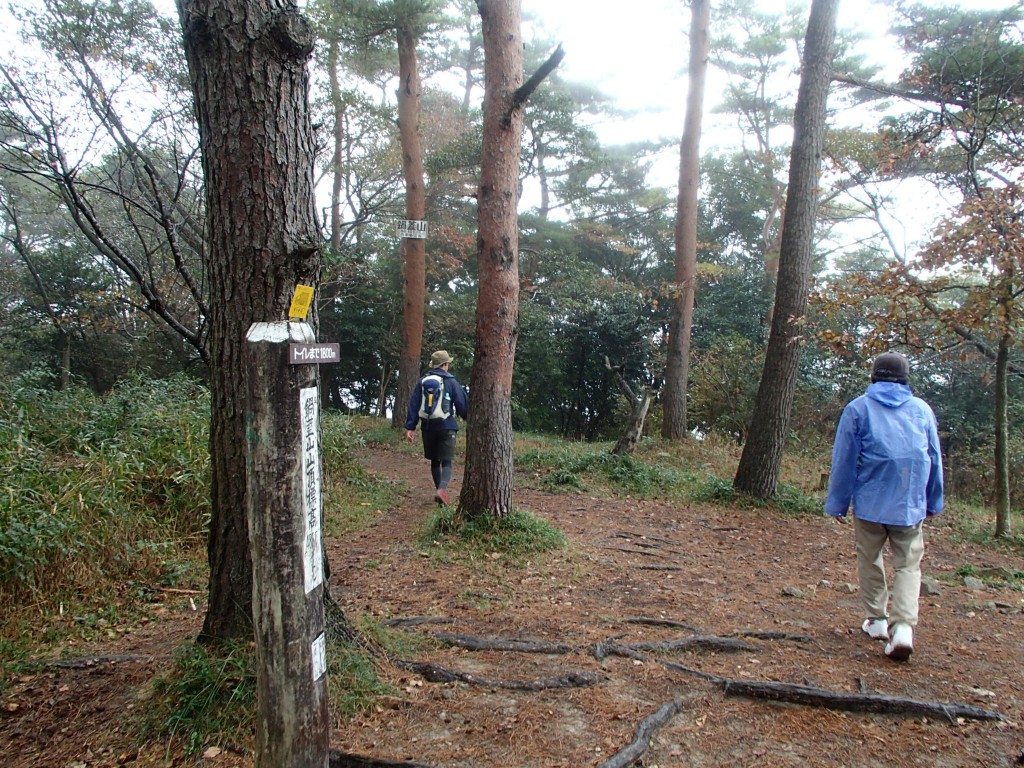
901	645
877	629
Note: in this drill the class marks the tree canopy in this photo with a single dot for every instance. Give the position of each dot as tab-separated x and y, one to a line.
106	257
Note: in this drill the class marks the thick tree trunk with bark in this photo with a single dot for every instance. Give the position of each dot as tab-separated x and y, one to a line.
1002	453
247	62
487	487
338	156
413	250
677	367
761	461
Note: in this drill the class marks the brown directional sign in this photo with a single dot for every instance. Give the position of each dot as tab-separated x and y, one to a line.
312	354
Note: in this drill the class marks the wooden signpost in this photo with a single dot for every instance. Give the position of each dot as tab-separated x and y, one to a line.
284	494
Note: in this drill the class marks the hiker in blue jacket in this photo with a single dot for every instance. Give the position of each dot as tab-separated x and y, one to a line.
436	399
886	462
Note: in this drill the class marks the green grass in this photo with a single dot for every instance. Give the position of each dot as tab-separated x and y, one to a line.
1009	577
655	471
788	499
352	672
207	698
352	680
377	431
516	535
976	524
576	468
352	496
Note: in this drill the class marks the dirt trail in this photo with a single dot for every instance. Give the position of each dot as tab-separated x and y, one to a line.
721	572
701	570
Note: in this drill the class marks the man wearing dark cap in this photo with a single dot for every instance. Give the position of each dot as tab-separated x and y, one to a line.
436	399
887	464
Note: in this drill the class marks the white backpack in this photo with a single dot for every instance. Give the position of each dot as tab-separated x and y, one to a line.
435	401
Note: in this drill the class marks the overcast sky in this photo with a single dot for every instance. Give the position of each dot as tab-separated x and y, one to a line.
637	57
636	52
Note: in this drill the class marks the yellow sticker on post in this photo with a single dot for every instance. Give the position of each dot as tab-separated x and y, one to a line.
301	300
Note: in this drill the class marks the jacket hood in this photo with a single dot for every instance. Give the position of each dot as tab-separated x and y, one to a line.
889	393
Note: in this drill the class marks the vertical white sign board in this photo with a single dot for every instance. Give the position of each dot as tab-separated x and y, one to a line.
309	407
319	651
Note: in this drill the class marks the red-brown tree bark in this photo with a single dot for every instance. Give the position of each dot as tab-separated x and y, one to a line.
247	63
412	250
761	461
677	365
487	487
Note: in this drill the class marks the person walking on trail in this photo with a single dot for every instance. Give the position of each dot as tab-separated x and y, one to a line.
436	400
887	463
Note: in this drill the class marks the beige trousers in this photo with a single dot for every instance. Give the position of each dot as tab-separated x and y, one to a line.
907	544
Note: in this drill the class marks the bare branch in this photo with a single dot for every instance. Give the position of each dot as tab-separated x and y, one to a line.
523	92
886	89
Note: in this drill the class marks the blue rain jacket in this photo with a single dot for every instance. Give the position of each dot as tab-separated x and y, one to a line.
460	403
886	460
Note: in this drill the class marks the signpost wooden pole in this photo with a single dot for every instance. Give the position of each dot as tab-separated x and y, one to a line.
284	514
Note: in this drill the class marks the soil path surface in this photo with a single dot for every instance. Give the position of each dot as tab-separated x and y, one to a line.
739	595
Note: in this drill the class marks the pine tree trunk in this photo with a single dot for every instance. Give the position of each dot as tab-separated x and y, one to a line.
677	368
247	63
761	461
487	486
413	250
337	158
1002	453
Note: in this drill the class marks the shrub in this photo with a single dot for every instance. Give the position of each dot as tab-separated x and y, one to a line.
99	491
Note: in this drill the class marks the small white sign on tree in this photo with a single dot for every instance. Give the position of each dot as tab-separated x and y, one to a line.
412	229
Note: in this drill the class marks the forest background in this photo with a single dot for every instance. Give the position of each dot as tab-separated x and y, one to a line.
100	145
105	284
104	281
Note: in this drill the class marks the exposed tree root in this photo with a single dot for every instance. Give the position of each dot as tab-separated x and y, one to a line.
690	671
95	661
644	733
638	541
768	635
648	546
807	695
651	622
437	674
606	648
641	552
498	644
658	567
855	702
703	642
756	634
344	760
415	621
